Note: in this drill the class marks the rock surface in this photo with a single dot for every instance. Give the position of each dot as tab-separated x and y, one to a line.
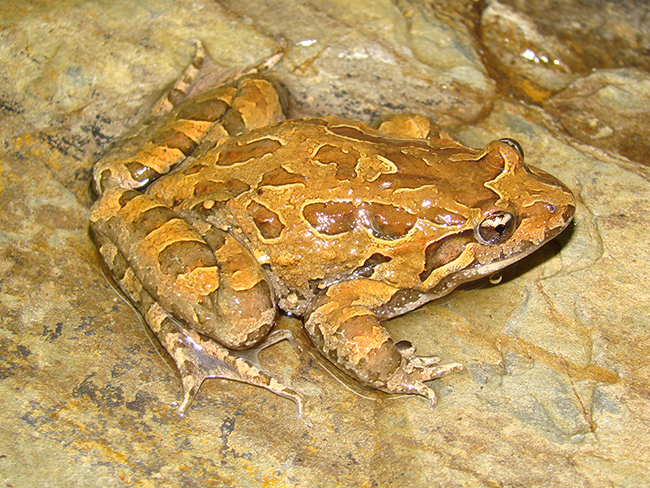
557	381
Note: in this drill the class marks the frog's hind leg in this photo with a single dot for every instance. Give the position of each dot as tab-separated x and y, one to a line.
186	124
183	85
184	280
197	75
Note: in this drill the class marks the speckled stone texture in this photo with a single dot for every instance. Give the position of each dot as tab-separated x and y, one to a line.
556	386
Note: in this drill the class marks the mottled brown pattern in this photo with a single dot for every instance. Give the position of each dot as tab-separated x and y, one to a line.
325	218
439	253
267	221
237	152
345	160
280	177
184	256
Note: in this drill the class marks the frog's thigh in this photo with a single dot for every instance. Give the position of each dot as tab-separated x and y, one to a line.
408	126
196	358
343	325
219	291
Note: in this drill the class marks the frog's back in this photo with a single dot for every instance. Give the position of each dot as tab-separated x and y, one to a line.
319	199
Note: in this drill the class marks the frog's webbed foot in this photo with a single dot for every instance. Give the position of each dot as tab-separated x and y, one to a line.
414	370
198	359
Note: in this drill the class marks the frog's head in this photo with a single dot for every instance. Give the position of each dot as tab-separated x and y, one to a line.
523	209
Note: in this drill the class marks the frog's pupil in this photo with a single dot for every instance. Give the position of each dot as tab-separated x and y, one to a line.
496	228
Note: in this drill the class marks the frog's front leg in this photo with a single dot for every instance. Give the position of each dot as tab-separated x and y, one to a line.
411	126
343	325
185	279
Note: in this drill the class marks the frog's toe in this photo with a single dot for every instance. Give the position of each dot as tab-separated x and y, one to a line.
414	371
429	368
403	383
277	335
423	368
198	359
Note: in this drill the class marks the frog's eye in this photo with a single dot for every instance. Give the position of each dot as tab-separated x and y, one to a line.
495	228
514	144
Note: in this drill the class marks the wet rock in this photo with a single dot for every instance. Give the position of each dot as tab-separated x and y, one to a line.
606	34
609	109
531	65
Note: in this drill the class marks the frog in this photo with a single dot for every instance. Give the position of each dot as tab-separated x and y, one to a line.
218	213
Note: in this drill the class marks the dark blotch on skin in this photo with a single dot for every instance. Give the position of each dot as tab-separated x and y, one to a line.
331	218
389	222
442	252
175	139
267	221
149	221
236	152
236	187
127	196
345	162
220	190
280	176
214	237
206	110
184	256
206	187
233	123
194	168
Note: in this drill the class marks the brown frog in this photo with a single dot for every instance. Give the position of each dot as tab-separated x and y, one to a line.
218	212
